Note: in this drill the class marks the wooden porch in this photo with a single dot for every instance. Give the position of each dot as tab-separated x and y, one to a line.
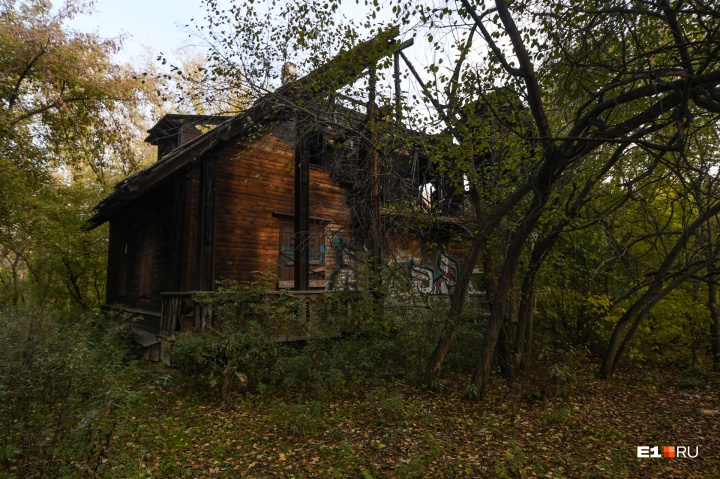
184	312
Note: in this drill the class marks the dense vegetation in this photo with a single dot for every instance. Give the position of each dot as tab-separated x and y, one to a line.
336	408
588	167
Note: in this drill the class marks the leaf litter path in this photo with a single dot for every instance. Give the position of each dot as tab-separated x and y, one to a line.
398	431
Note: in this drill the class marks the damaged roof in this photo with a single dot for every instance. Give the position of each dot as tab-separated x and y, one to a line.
343	69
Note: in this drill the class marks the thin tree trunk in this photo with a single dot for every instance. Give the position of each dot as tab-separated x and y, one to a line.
523	348
504	285
457	302
611	353
714	316
504	348
482	369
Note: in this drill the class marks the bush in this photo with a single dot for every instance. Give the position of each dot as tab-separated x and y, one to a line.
61	384
374	350
231	361
238	351
350	343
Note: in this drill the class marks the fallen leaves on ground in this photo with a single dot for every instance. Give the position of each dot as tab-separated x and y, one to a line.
396	430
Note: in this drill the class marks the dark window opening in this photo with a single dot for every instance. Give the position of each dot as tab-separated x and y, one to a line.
315	148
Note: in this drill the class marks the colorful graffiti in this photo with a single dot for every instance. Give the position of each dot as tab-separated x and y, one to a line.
437	278
346	256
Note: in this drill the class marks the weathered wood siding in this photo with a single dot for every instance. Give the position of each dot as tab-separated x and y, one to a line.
139	251
255	195
191	231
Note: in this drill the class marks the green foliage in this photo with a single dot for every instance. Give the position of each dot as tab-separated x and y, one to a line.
239	351
560	416
346	343
71	122
396	347
514	463
62	390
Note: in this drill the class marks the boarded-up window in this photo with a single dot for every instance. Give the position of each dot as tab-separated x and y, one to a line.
286	258
147	256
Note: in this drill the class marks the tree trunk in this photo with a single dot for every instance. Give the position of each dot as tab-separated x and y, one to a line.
482	369
457	302
714	316
504	351
523	344
504	286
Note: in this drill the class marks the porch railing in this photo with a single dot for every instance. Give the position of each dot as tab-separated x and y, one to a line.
181	311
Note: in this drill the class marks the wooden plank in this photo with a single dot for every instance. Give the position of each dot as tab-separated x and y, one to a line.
302	215
313	284
207	224
179	218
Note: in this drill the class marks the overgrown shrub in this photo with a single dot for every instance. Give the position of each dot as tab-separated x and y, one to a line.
238	350
353	346
348	342
62	383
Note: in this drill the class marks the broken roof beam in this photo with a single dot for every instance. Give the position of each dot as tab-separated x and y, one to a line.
341	70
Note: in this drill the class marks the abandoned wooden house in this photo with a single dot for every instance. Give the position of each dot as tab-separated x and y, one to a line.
277	189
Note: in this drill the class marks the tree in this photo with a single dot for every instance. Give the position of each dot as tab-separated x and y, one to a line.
68	131
541	105
640	78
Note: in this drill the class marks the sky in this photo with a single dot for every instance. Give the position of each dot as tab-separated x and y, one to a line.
158	24
149	27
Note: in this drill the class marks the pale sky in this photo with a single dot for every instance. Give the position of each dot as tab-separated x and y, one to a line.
158	24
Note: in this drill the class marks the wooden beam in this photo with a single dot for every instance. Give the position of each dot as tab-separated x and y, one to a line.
177	236
301	238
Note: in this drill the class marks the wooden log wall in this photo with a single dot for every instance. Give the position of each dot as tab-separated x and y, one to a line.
254	182
139	252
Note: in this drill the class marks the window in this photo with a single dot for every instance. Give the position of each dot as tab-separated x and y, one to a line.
314	146
286	257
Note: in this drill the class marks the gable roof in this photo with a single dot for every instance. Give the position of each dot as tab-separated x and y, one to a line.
172	123
343	69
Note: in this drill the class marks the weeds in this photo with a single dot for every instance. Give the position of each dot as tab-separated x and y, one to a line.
62	392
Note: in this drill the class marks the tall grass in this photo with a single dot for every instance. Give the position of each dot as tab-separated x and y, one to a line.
62	383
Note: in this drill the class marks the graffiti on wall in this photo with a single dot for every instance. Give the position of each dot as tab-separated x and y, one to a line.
346	256
438	277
